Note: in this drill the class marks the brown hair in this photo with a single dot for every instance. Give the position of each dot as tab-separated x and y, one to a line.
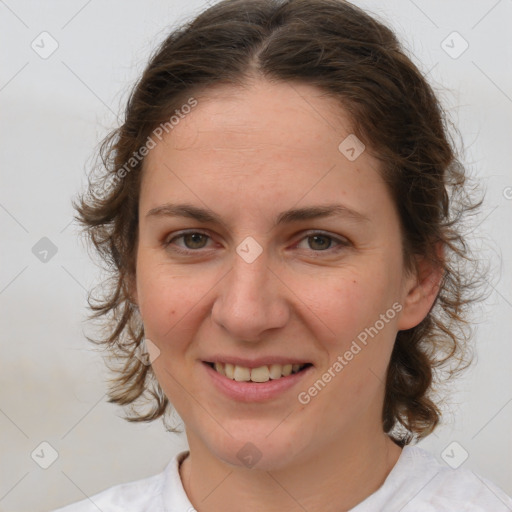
357	60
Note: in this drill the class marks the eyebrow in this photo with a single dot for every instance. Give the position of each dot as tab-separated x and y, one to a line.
206	215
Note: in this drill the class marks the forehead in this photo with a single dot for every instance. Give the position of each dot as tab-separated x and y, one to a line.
262	115
260	145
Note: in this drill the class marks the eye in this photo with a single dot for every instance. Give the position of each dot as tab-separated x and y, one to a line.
319	242
193	241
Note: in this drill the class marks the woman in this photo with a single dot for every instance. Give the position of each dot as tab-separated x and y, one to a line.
282	207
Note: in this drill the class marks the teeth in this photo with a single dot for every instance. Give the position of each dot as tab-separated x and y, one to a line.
229	370
242	374
261	374
220	368
275	371
287	370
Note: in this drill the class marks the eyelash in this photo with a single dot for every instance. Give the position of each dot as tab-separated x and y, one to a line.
340	242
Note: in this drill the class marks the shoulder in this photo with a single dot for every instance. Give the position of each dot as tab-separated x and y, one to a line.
428	486
135	496
129	497
419	483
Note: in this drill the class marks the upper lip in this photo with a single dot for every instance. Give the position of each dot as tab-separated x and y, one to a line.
256	362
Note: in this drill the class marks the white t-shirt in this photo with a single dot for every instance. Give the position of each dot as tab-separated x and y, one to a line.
417	483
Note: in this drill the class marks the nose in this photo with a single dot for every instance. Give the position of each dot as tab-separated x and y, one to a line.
251	300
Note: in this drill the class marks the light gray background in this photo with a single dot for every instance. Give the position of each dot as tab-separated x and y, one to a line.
54	112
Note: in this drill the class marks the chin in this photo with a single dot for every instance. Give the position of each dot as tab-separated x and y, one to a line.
259	451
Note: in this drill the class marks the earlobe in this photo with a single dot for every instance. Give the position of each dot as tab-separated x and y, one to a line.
420	293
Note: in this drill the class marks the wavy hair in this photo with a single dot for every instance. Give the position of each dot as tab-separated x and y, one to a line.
357	60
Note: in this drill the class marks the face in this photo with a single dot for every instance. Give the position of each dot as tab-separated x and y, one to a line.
254	270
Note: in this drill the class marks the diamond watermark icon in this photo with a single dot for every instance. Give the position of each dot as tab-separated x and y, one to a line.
147	352
249	249
351	147
454	45
44	455
454	455
44	45
249	455
44	250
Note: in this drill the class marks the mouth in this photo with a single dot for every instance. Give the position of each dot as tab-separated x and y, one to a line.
261	374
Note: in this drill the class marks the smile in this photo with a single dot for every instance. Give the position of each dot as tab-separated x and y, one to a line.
261	374
270	382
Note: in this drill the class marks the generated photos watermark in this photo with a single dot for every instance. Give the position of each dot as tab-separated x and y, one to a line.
343	360
143	151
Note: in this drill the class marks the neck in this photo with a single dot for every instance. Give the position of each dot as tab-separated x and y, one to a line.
334	478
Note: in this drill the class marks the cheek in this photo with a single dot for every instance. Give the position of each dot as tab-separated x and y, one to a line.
351	309
346	305
166	300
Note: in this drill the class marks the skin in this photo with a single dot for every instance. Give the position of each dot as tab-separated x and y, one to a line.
248	154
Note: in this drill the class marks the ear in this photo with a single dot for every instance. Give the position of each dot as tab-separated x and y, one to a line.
420	291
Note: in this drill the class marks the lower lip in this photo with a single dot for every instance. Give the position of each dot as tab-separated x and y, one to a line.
254	391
